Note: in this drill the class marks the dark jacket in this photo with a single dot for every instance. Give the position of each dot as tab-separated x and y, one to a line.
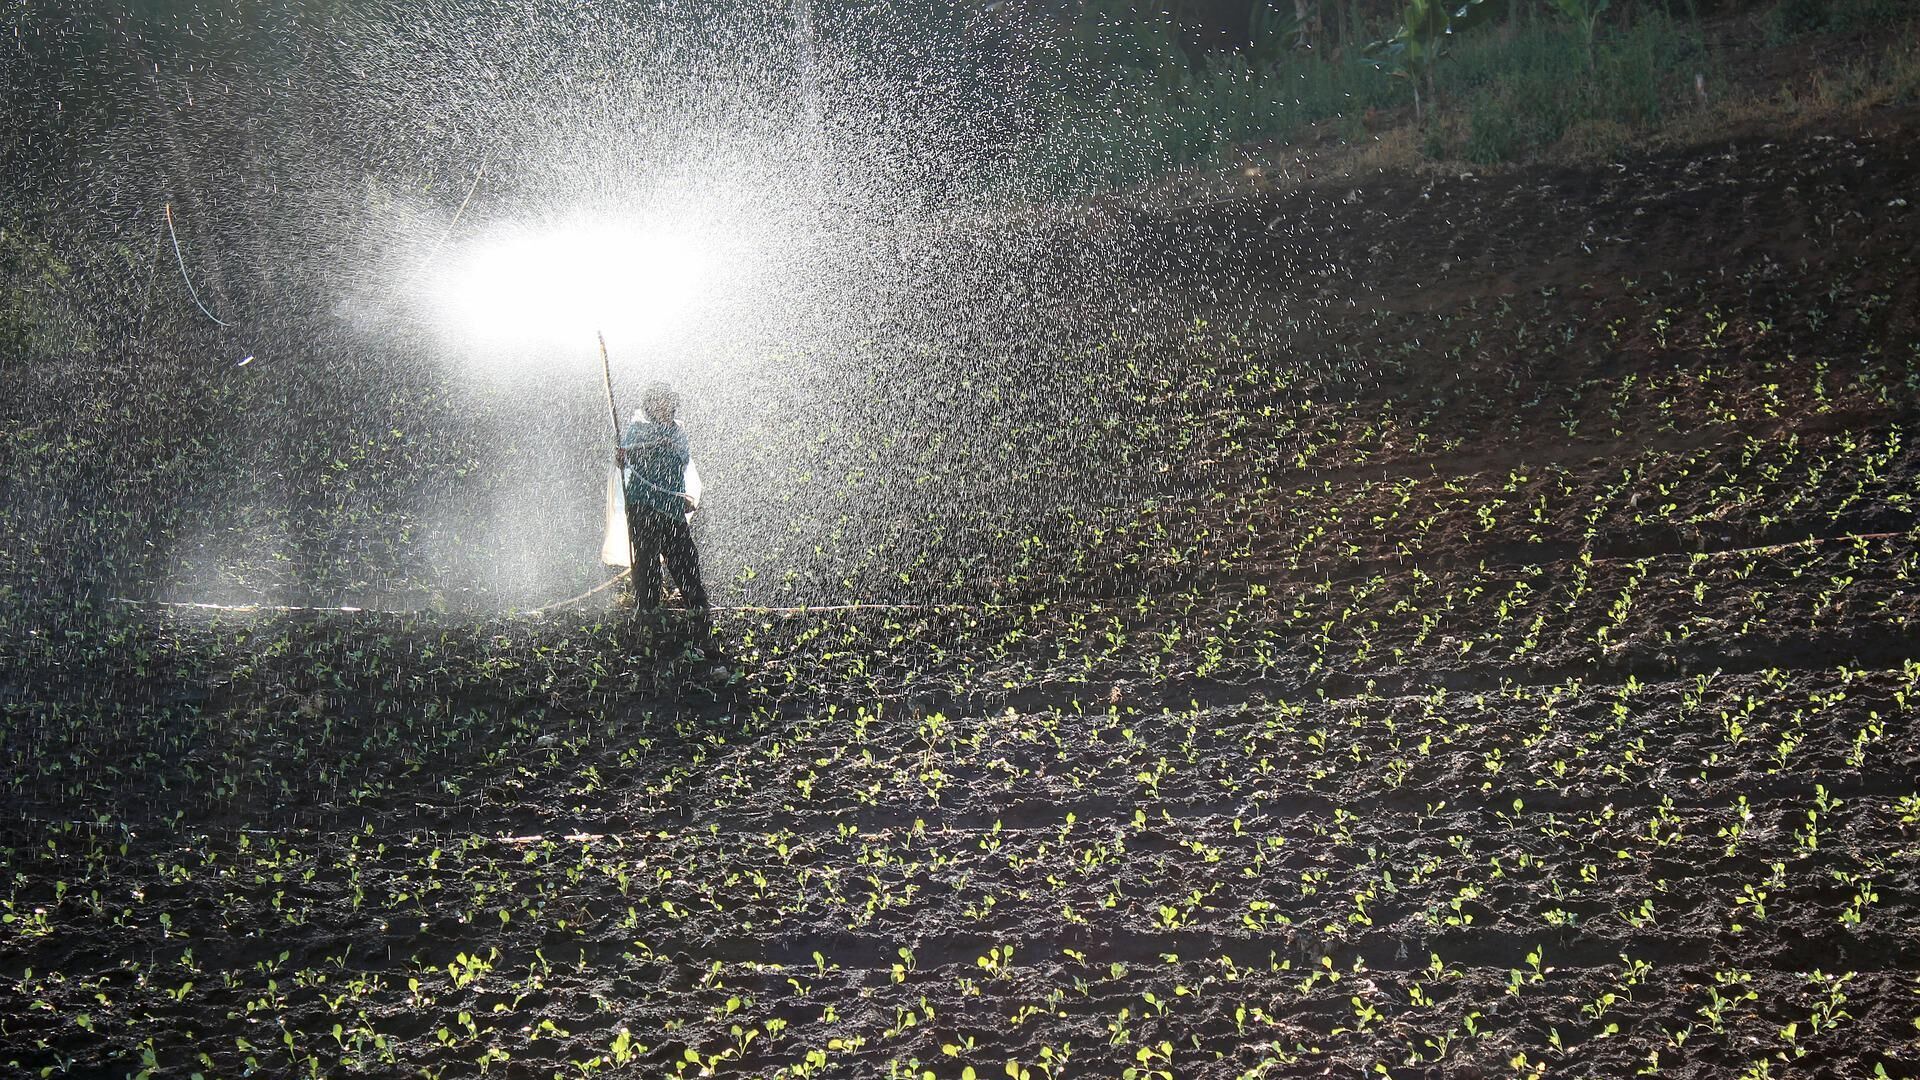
657	457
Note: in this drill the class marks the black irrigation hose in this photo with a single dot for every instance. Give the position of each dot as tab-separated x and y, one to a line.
576	599
1810	541
544	608
182	260
131	602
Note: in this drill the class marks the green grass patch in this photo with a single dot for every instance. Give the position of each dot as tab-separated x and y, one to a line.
36	277
1131	120
1141	107
1522	97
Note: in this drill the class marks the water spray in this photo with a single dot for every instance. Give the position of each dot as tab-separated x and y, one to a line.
747	195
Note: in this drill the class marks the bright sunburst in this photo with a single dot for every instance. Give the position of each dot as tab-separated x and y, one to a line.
536	286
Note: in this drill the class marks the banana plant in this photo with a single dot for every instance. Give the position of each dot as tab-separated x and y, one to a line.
1426	30
1585	17
1271	35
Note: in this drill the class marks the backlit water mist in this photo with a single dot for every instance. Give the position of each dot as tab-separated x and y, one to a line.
414	220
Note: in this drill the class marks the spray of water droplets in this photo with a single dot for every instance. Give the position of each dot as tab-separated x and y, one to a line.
414	220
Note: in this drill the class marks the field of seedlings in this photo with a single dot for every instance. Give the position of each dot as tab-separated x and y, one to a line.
1496	656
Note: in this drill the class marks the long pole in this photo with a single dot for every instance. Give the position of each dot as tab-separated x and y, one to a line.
606	371
613	414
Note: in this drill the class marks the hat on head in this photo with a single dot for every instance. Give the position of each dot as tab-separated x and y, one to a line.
659	403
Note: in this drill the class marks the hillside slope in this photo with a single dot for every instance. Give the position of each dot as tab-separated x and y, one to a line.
1504	665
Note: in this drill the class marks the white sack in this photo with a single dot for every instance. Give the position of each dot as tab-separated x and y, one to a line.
615	547
692	485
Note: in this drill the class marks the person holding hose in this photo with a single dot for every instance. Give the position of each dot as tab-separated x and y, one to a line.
653	453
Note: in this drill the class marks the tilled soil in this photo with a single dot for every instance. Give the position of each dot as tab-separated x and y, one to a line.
1508	671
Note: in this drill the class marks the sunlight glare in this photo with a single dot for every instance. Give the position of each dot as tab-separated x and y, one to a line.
556	285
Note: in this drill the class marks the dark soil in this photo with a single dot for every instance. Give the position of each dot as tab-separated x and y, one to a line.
1506	667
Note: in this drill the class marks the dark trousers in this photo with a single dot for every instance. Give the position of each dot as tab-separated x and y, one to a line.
656	533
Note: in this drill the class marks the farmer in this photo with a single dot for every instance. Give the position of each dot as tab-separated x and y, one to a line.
654	453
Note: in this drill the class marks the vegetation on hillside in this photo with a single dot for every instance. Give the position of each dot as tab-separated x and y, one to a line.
1483	82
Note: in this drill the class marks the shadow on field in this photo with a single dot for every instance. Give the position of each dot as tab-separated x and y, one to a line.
319	719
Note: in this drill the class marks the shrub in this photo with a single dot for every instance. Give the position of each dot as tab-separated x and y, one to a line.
1143	120
1790	19
1902	78
35	278
1522	97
